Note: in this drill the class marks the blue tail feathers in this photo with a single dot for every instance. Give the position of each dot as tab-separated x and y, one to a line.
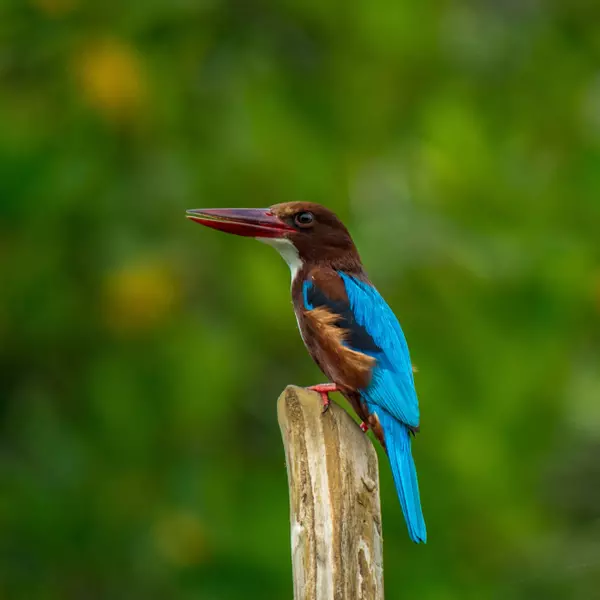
397	440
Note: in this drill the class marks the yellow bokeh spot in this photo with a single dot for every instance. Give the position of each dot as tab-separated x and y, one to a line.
139	297
180	539
55	8
110	75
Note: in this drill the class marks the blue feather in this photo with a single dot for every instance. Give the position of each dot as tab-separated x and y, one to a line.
392	386
306	286
391	395
374	330
397	439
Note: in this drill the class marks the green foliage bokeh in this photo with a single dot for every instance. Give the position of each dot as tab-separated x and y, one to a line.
141	355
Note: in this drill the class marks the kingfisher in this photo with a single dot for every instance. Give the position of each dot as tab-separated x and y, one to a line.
347	327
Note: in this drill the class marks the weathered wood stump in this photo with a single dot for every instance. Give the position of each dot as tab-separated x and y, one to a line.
337	544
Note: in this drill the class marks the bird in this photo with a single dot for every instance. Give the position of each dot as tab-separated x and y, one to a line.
347	327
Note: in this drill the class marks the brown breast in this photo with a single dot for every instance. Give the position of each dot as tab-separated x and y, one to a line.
324	339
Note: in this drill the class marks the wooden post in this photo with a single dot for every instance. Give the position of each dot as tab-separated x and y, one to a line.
337	546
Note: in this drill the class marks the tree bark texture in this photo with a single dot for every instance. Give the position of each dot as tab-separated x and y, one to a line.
337	544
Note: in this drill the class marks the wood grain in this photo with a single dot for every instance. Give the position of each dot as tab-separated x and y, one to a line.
336	534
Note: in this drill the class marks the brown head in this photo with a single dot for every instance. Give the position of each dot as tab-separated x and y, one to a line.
303	232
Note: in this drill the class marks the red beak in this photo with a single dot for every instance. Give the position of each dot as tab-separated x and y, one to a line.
249	222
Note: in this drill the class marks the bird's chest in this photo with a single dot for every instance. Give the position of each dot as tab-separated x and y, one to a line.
312	341
303	326
324	341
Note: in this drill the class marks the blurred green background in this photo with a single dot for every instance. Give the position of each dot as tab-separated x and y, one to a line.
142	355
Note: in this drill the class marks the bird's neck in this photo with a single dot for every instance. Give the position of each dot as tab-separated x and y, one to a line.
348	262
289	253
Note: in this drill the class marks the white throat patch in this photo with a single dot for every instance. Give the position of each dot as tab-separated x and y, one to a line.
287	250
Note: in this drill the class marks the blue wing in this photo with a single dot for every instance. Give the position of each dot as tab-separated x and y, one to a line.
374	330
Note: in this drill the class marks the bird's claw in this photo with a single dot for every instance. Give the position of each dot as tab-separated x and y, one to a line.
324	389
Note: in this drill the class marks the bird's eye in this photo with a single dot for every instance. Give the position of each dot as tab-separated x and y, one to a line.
304	219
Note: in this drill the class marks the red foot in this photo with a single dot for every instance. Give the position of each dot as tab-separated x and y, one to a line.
324	389
364	427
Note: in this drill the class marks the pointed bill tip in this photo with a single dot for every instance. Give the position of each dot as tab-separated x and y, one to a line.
247	222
